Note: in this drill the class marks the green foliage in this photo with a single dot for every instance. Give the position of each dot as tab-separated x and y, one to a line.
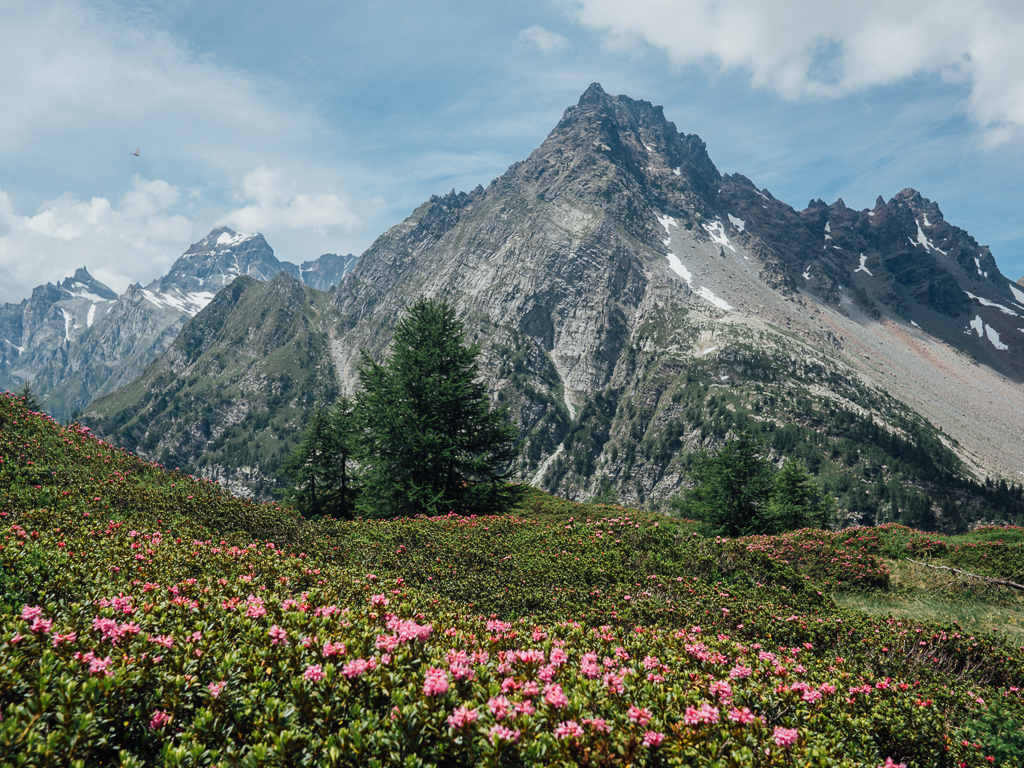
321	467
28	394
174	625
795	501
431	442
730	488
738	492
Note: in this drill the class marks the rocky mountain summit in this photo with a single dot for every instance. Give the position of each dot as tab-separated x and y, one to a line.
634	305
78	340
615	268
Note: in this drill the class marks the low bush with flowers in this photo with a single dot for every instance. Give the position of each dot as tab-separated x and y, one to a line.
160	621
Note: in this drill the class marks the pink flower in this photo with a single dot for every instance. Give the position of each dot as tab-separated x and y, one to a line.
739	672
613	682
355	668
558	657
332	649
890	764
569	729
785	737
530	657
554	695
216	688
435	682
640	716
462	717
41	625
525	708
159	719
722	690
598	724
380	601
256	608
501	733
314	673
98	666
499	707
653	738
742	716
706	714
278	636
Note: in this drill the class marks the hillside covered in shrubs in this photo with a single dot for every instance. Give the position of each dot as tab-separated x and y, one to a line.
150	618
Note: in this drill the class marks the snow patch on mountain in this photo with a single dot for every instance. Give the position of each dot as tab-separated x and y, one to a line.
863	265
717	232
677	266
189	303
706	293
737	222
986	303
993	336
227	240
922	239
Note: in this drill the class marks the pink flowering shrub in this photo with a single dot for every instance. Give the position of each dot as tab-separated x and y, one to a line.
171	626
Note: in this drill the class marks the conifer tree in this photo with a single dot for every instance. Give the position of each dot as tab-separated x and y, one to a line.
431	442
27	393
730	489
795	499
321	466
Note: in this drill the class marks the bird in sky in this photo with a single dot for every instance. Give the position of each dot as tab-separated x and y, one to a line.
136	152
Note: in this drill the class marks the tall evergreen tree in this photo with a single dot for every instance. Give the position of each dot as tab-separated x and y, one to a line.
431	442
321	466
730	488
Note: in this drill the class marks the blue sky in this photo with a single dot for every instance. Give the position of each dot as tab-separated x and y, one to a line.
321	124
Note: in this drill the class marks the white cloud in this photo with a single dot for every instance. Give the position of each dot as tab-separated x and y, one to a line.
271	204
807	49
119	244
544	40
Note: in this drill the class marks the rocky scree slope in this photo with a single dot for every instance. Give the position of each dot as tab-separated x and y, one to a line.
78	340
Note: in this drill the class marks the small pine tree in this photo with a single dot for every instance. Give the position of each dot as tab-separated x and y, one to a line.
431	442
795	499
27	393
321	465
730	489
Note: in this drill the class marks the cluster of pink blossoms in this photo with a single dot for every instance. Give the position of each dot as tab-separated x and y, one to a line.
462	717
435	682
35	615
112	631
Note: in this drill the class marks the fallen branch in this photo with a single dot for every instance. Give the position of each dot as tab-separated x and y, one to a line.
1001	582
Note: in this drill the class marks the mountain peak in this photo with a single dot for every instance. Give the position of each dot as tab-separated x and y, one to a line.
85	286
593	94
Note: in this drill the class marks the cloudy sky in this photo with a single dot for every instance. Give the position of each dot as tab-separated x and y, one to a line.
322	123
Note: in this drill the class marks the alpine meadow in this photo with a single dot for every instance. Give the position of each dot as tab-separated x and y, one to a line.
616	461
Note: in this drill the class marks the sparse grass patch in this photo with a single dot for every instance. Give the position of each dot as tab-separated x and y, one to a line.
926	595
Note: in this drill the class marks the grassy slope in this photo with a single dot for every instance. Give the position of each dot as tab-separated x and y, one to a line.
93	535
